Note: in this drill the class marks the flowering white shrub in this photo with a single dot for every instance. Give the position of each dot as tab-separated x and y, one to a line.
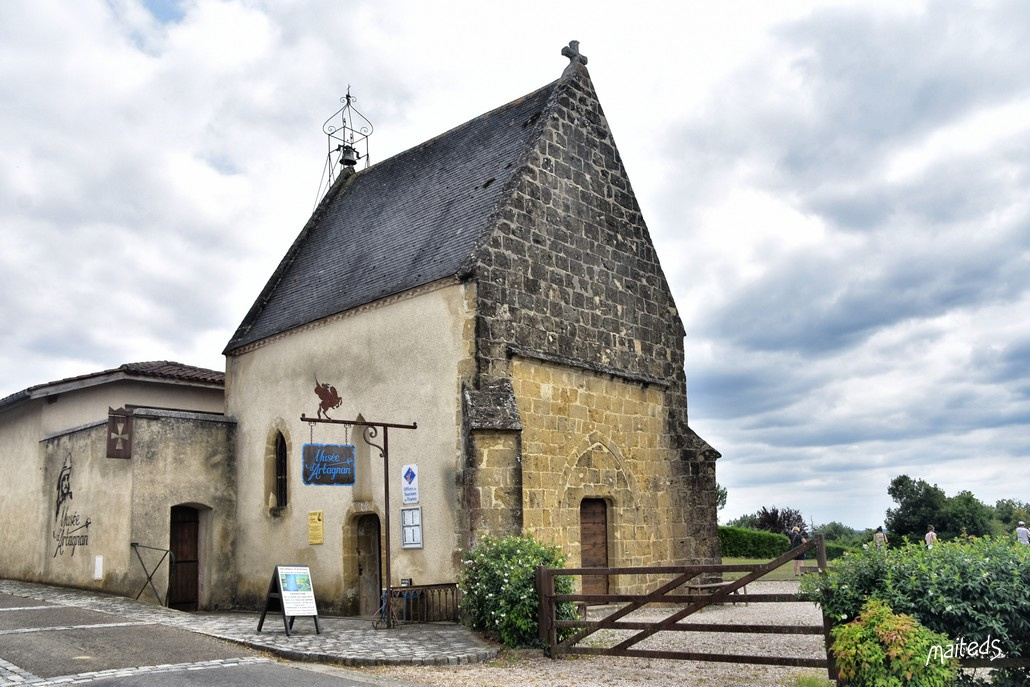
498	592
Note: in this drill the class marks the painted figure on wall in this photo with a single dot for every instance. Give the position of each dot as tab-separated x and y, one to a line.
70	530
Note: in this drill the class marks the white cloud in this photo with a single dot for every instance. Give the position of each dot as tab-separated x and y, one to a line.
837	192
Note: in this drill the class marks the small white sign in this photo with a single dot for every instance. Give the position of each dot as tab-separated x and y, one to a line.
296	590
409	483
411	528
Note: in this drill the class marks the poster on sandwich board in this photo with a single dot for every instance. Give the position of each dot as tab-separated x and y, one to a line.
298	594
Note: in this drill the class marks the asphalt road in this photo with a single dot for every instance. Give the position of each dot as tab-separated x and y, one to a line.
47	641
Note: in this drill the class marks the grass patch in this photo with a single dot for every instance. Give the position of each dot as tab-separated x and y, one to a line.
784	572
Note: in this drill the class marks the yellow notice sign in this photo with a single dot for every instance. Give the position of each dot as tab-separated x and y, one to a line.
315	530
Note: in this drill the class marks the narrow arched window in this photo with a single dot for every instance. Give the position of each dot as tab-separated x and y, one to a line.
280	471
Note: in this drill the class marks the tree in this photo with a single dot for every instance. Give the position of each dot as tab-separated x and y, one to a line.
965	514
779	520
919	504
840	533
720	496
1010	511
748	520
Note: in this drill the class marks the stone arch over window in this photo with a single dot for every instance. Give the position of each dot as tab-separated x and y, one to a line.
278	447
596	465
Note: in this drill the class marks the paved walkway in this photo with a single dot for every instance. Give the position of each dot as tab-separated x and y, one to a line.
343	641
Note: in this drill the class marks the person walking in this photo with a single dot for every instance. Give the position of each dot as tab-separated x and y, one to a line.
1023	534
930	537
879	538
796	540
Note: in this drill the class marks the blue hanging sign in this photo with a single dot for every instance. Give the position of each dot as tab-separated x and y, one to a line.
328	464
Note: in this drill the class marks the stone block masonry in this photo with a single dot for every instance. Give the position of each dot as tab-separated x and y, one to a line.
574	310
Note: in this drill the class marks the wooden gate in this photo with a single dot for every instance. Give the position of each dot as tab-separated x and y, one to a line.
690	590
184	574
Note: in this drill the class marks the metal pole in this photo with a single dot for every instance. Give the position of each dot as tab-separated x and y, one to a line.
385	453
389	554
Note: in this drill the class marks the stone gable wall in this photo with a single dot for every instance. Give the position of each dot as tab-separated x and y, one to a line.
572	272
571	279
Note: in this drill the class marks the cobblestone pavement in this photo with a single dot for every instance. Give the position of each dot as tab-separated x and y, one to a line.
342	641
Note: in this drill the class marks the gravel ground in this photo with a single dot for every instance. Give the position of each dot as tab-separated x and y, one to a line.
533	669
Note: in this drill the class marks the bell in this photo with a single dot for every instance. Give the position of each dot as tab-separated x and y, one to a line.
348	156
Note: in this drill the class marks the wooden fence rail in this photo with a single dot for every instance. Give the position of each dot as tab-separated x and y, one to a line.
701	592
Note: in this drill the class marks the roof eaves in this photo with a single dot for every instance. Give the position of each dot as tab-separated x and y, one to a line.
167	372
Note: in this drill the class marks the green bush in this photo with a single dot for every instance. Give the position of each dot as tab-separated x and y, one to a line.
741	542
835	551
498	588
881	649
972	590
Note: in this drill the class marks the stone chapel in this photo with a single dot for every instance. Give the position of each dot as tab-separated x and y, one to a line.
495	286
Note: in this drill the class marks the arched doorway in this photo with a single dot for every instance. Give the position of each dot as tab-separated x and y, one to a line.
370	583
593	543
184	574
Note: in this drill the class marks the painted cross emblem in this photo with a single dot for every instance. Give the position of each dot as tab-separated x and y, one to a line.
119	436
119	433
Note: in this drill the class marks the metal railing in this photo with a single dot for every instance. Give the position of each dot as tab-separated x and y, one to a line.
427	603
150	573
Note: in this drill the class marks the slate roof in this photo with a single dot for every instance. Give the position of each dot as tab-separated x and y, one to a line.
158	369
407	221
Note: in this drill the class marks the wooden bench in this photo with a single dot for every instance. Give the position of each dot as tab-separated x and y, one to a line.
712	587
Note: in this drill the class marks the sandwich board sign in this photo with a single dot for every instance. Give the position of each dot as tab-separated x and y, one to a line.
291	593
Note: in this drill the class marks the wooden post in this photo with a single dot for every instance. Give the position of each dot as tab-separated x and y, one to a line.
545	613
831	662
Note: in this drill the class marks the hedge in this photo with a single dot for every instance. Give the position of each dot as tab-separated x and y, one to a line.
741	542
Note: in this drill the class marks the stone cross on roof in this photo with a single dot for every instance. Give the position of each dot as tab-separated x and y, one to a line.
575	57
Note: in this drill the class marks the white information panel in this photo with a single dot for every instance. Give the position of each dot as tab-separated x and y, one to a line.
298	594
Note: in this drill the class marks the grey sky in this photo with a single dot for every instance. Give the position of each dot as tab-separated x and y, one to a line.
837	191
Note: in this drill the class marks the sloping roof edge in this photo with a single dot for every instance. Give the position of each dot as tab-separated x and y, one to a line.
172	372
242	334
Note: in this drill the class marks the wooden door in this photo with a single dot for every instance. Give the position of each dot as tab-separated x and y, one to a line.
185	570
370	584
593	543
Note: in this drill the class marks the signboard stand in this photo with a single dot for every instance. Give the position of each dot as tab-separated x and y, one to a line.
291	593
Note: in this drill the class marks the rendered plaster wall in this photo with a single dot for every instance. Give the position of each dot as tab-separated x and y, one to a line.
186	459
400	361
26	503
28	432
82	406
100	505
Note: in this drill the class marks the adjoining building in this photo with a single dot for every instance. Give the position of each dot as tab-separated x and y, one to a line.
495	285
108	470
